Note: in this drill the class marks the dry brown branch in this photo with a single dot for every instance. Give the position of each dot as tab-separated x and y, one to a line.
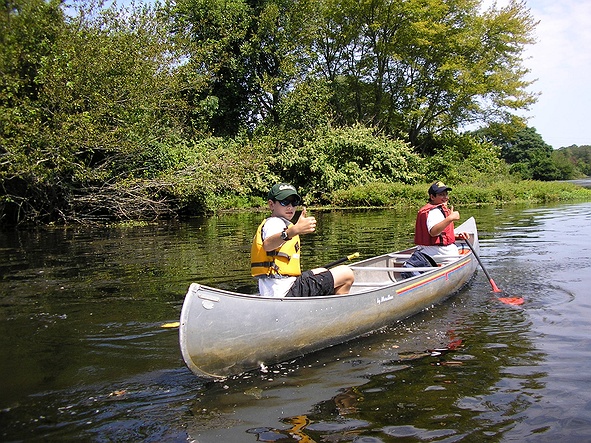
137	200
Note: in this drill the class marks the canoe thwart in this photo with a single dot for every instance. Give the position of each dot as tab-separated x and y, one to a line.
398	269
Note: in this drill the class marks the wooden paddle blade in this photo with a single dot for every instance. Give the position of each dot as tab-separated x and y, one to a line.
512	300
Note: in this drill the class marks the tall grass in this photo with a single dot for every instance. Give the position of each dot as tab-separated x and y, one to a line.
499	192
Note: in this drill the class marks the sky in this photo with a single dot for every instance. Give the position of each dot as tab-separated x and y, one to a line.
560	60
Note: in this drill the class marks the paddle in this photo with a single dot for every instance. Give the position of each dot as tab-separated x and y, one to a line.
174	324
507	300
342	260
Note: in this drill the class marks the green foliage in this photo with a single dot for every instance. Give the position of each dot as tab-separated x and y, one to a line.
93	107
525	146
28	29
306	108
463	159
410	68
574	160
417	67
116	113
498	192
380	194
244	54
338	158
214	36
526	152
216	173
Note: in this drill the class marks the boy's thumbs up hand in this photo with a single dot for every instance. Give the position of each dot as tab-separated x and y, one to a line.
305	224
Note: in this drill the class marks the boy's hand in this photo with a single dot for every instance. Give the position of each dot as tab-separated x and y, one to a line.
305	224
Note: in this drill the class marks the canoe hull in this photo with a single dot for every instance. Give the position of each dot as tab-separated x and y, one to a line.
224	333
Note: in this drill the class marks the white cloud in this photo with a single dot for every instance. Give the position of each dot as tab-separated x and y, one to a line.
561	61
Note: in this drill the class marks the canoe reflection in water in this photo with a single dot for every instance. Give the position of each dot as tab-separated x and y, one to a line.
345	404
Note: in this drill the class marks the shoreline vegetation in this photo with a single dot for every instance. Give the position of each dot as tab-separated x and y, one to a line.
385	195
500	193
123	114
400	196
394	196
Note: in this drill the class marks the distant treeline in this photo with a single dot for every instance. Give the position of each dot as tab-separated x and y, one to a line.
579	157
112	113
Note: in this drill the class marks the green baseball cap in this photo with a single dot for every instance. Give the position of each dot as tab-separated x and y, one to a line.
281	191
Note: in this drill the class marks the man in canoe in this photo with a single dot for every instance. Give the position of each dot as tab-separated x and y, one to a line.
275	253
434	227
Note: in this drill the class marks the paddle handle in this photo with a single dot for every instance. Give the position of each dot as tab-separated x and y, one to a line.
341	260
492	282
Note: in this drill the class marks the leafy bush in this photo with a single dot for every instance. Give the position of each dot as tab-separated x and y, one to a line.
498	192
341	157
464	159
217	173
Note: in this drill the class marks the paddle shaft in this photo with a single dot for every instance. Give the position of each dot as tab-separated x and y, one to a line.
492	282
341	260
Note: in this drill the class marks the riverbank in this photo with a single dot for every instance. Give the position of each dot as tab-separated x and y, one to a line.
383	195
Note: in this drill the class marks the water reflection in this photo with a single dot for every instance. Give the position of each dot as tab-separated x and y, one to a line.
84	356
430	378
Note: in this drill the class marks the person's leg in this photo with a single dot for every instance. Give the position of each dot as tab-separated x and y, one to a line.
317	282
343	278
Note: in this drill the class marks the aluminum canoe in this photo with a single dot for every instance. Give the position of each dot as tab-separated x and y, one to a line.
224	333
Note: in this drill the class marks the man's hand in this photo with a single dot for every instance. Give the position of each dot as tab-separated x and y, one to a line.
454	215
440	227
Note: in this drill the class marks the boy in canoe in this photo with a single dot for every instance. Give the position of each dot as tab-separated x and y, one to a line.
434	227
275	253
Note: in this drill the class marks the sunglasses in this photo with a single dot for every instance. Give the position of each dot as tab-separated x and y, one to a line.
289	201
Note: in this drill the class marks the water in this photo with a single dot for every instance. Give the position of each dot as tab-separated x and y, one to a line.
84	356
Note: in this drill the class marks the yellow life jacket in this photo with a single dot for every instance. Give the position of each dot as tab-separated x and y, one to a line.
283	261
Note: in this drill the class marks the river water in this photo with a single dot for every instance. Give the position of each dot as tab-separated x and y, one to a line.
84	356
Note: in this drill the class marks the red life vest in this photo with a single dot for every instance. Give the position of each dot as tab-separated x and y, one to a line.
422	236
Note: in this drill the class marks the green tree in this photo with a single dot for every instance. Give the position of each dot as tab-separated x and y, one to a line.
216	70
412	69
418	67
524	150
464	159
341	157
87	105
579	157
29	30
244	55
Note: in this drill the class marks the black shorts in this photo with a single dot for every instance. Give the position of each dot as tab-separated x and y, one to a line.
311	285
